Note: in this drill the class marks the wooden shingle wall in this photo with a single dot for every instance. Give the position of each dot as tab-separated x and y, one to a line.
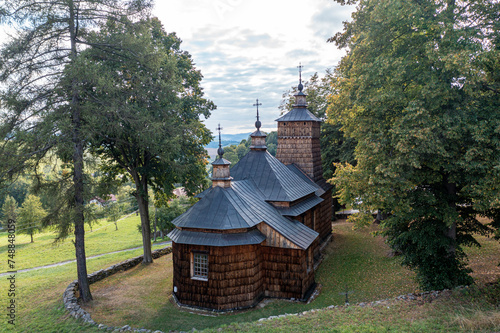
274	238
286	274
235	277
298	142
324	215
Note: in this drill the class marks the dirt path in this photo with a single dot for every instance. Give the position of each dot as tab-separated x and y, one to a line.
74	260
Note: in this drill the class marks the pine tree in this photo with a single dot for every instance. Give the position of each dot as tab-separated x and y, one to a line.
48	38
9	210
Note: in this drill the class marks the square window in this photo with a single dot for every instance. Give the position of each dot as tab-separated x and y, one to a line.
200	266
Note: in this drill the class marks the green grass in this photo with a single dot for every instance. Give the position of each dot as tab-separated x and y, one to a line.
140	297
44	251
355	259
458	313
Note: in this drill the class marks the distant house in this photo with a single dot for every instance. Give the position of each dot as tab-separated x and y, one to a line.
258	230
101	202
179	192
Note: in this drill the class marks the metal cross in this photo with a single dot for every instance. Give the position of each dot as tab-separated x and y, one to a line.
300	72
219	129
257	105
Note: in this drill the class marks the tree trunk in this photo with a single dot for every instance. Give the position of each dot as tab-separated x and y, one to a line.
142	192
81	260
31	238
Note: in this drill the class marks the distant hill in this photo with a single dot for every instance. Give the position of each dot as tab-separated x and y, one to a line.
227	140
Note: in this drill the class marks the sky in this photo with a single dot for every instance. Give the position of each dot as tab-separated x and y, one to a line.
248	50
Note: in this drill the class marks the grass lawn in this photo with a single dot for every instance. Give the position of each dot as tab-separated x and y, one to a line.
461	312
140	297
44	252
355	259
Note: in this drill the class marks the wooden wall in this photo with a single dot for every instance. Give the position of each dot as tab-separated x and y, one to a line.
240	276
324	216
274	238
298	142
235	277
286	274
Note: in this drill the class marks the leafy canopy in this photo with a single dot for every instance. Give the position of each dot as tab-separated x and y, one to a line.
419	92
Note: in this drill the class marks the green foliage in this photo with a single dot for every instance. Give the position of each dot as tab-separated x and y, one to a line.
9	210
148	92
114	212
18	190
418	92
167	214
30	216
234	153
152	99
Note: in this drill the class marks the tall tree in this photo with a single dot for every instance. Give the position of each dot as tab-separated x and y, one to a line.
48	38
150	130
419	92
30	216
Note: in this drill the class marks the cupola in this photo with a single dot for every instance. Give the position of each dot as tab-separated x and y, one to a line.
258	138
220	174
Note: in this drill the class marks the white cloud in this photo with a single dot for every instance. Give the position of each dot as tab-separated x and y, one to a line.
251	49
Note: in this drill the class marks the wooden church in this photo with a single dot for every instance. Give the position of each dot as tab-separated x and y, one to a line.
257	231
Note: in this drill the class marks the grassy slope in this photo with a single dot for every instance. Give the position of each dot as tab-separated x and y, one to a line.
355	259
139	297
39	292
361	259
43	251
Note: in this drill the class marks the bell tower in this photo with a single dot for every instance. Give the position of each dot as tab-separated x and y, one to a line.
298	136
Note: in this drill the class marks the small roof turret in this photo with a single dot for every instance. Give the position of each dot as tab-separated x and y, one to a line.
258	138
220	174
299	111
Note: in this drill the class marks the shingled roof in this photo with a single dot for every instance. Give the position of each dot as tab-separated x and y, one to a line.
299	114
242	205
322	186
211	239
273	178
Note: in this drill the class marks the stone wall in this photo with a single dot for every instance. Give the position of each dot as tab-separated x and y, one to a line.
71	301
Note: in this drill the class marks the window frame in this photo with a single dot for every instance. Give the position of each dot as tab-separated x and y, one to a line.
199	265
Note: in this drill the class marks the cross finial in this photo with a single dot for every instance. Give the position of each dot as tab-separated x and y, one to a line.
300	76
257	123
220	151
300	71
257	105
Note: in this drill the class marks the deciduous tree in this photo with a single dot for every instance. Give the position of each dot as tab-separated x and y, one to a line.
419	92
151	100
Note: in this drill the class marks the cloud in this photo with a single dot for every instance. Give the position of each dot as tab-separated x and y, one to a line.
328	20
248	39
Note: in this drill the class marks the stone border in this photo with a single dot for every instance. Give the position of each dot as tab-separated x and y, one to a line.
71	302
427	296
